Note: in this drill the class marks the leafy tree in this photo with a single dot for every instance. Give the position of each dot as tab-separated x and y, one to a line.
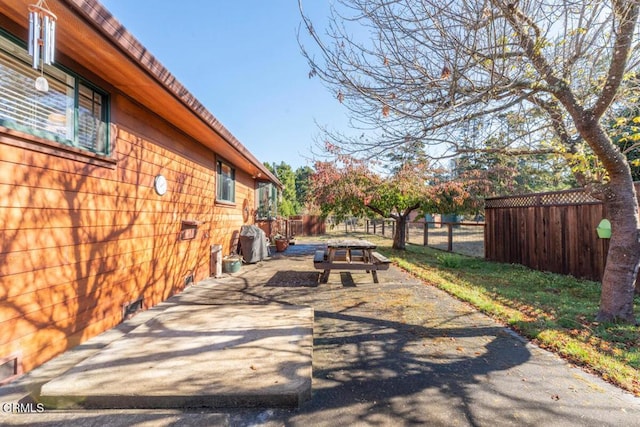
517	175
510	174
625	133
348	187
545	75
288	204
303	176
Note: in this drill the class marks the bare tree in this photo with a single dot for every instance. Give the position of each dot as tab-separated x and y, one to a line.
548	75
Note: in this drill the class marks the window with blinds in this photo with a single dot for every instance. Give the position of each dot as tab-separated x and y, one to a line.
72	112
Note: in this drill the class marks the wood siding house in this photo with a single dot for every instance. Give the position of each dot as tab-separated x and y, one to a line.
84	230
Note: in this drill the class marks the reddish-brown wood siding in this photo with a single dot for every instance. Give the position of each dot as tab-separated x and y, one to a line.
77	241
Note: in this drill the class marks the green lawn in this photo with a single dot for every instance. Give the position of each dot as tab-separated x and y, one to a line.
556	312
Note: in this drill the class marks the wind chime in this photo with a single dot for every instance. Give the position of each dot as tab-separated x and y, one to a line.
42	39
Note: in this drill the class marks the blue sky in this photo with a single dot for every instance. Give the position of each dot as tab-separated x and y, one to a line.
241	59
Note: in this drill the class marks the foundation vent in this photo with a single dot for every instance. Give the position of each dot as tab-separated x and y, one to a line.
132	308
10	368
188	280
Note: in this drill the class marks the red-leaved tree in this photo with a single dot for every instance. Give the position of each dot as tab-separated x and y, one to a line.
346	186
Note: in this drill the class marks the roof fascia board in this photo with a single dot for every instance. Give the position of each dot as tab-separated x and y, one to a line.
107	25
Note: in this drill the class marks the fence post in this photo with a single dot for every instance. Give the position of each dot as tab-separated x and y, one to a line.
449	237
425	234
383	227
367	227
374	226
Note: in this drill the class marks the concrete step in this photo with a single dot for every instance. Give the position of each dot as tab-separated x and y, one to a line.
197	356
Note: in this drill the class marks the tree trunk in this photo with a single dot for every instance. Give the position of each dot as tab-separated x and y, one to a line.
623	258
621	202
400	236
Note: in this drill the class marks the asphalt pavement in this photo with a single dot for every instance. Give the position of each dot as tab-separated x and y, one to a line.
395	353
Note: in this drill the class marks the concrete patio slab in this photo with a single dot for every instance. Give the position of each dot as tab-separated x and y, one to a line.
198	356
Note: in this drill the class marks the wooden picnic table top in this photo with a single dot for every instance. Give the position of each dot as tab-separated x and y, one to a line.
350	244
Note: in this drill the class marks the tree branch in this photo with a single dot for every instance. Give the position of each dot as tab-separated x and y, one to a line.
627	13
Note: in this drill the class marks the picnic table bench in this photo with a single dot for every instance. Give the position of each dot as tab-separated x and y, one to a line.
350	255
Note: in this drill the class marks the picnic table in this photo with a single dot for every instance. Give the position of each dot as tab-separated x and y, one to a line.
350	254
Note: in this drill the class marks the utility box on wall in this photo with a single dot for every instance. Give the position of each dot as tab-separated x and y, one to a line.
216	261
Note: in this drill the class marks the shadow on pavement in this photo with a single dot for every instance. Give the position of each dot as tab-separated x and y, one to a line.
399	352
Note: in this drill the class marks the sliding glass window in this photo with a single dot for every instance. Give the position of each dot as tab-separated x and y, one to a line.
72	111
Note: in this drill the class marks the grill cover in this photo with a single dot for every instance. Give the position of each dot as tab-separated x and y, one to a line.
253	244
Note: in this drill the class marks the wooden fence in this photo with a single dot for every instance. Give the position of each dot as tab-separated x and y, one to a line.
548	231
301	225
306	225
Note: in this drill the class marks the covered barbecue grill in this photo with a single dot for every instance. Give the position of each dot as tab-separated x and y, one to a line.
253	244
